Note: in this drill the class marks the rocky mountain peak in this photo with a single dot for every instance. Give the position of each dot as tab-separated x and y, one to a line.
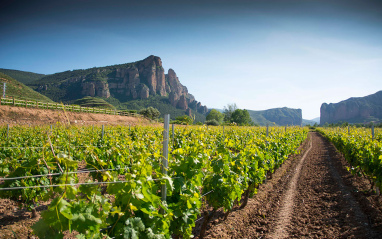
131	81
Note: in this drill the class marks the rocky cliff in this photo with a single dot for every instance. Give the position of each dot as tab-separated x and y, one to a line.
353	110
131	81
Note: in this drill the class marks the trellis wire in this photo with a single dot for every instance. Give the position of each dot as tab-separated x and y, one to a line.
33	147
55	174
74	184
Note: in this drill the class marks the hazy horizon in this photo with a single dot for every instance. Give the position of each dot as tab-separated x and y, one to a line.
258	54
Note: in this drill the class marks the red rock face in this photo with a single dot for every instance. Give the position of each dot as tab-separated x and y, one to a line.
188	112
182	103
145	92
95	88
353	110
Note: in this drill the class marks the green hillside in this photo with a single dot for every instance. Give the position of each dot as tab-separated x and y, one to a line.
308	122
93	102
277	116
159	102
19	90
24	77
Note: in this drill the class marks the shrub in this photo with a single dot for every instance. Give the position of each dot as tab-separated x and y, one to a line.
150	113
212	122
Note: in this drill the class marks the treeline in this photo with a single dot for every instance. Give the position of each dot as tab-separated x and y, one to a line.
231	116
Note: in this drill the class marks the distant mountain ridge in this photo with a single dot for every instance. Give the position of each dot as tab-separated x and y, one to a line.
279	116
117	84
353	110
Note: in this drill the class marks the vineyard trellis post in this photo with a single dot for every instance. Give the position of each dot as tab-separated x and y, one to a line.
103	132
7	131
173	142
267	130
165	155
372	131
4	87
348	130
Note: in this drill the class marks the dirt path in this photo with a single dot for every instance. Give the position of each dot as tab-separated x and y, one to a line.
283	220
311	196
324	206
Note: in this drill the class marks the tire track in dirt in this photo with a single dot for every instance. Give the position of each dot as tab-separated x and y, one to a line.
283	219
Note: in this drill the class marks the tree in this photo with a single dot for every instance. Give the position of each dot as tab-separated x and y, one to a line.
215	115
150	112
227	111
241	117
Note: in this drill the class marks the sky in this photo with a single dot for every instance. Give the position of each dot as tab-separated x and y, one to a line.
259	54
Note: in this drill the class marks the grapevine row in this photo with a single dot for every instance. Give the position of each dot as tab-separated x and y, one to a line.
362	151
224	166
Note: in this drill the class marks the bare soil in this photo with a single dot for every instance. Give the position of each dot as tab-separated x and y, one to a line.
31	116
311	196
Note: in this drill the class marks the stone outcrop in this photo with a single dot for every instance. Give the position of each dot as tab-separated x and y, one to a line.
182	103
189	112
95	88
353	110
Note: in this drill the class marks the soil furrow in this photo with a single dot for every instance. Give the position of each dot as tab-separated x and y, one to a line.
287	204
323	206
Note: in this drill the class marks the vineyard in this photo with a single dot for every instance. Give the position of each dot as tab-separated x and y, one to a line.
362	149
108	183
